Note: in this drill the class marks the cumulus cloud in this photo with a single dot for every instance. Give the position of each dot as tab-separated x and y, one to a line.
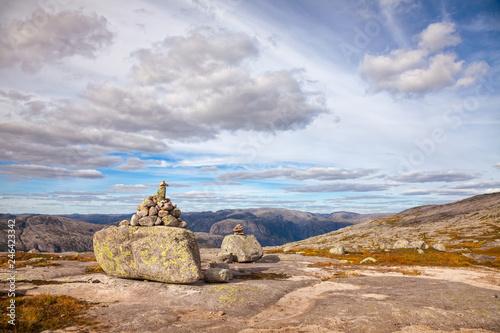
41	171
427	68
209	169
186	88
438	36
338	187
318	173
48	38
133	163
427	177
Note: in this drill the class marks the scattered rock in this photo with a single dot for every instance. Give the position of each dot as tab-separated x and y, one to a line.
344	261
480	258
338	249
401	244
368	260
439	247
155	253
214	275
420	251
124	222
418	245
33	251
226	257
37	260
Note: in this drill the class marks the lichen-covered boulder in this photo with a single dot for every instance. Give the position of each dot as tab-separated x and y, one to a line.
245	248
338	249
214	275
401	244
154	253
439	247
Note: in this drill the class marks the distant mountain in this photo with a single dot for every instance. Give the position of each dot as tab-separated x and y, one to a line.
355	217
271	226
469	223
49	233
111	219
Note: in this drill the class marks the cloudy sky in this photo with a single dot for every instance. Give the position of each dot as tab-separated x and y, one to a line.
320	106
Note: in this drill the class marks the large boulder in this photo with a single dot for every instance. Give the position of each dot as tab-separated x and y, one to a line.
244	248
158	253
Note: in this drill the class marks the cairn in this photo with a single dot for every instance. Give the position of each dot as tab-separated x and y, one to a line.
157	210
238	230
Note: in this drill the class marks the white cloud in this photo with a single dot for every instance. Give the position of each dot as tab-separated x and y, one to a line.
437	176
209	169
207	89
48	38
438	36
41	171
478	185
133	163
139	188
339	187
318	173
424	69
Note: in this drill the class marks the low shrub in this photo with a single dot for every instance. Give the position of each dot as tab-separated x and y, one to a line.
44	312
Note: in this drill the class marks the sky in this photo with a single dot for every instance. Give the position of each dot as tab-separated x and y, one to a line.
319	106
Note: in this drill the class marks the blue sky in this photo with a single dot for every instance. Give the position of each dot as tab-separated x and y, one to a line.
320	106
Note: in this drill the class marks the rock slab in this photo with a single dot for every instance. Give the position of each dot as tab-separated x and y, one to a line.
244	248
163	254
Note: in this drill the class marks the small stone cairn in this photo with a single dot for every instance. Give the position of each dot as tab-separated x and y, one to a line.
240	247
157	210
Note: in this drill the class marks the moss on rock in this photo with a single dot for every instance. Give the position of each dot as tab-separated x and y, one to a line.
162	254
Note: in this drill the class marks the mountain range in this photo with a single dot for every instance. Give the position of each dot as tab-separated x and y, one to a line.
271	226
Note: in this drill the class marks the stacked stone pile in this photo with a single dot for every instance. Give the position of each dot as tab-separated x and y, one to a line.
240	247
157	210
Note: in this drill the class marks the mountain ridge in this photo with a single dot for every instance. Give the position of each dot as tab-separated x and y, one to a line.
469	223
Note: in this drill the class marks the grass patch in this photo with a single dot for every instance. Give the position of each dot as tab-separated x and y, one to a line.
44	312
20	264
342	275
93	269
22	258
407	257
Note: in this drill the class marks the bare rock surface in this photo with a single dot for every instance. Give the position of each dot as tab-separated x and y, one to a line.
282	293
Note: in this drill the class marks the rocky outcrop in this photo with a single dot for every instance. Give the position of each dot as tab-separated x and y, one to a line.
46	233
338	249
243	248
468	225
161	254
